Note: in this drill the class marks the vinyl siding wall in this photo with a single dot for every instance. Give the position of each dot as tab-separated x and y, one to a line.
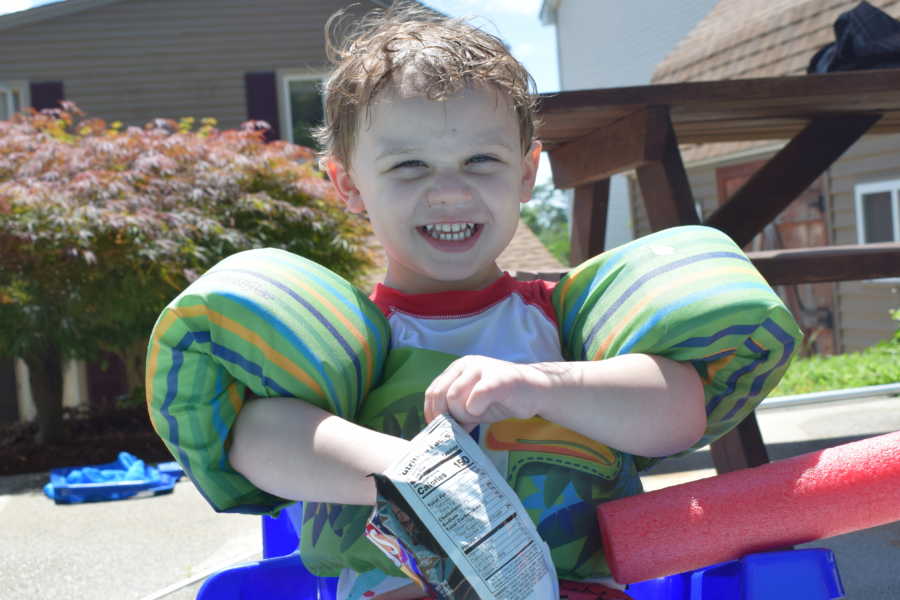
136	60
863	305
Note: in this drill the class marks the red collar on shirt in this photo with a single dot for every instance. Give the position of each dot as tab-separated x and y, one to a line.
451	303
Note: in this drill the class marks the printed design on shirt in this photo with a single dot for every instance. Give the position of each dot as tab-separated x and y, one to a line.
561	476
539	436
562	502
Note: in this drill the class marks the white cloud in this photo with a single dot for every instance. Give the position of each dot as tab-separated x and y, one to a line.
8	6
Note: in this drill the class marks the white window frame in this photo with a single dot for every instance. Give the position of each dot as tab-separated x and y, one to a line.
16	86
874	187
284	79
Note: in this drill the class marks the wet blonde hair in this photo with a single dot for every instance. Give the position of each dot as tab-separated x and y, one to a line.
445	54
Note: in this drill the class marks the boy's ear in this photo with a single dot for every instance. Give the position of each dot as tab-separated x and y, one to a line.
529	173
344	186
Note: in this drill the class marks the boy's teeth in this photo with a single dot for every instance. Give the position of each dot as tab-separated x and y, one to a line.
450	231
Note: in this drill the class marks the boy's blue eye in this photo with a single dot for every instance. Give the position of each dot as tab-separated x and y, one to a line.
480	158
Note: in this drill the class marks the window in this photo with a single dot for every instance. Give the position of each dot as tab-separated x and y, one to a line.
878	212
13	98
301	108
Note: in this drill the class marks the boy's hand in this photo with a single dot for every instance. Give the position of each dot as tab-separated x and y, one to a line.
478	389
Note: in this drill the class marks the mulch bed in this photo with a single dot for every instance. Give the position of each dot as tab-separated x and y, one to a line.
89	439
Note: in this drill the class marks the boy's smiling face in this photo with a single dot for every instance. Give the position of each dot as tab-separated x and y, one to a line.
441	182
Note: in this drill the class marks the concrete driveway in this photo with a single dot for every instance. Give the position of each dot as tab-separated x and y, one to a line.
162	547
157	547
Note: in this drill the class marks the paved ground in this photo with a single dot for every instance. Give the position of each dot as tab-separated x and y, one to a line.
162	547
127	550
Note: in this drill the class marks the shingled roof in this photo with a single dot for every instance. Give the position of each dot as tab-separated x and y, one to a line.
742	39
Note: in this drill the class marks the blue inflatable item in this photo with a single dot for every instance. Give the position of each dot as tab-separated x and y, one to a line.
126	477
276	578
171	468
280	575
809	574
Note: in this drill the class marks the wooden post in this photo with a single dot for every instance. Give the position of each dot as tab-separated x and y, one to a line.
589	220
787	174
741	448
664	182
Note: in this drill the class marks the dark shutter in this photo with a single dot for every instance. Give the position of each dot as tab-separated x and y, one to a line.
46	94
262	101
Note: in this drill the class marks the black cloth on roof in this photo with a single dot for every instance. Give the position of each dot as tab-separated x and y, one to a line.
866	38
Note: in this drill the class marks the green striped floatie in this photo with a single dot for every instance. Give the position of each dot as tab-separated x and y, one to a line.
264	320
689	294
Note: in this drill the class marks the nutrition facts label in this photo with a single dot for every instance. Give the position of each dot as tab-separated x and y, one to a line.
474	514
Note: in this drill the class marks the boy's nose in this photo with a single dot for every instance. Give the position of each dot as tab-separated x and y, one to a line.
448	191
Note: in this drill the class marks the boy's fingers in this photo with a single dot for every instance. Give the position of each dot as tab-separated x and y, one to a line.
458	391
480	400
432	408
436	394
433	397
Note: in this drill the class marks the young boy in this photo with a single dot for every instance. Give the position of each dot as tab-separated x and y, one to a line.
430	130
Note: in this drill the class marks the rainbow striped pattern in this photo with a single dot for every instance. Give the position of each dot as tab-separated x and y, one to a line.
265	322
689	294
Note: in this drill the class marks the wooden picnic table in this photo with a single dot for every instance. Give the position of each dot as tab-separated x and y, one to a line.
593	134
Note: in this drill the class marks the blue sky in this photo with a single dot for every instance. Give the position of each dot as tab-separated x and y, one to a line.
517	22
7	6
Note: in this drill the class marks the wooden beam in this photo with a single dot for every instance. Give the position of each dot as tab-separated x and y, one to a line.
663	180
728	110
740	448
787	174
623	145
589	220
828	263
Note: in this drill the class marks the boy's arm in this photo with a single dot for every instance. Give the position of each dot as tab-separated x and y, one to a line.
298	451
637	403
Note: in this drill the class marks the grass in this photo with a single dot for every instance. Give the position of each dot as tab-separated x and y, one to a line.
876	365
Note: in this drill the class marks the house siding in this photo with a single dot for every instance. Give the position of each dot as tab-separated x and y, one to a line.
600	26
136	60
863	305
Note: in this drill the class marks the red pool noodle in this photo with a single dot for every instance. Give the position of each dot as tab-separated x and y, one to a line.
801	499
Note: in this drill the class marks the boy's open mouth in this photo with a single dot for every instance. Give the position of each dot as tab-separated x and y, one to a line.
450	232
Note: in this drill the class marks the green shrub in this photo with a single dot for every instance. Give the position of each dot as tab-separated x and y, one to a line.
547	216
101	226
876	365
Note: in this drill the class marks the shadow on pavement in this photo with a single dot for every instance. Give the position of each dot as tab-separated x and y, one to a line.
702	459
27	483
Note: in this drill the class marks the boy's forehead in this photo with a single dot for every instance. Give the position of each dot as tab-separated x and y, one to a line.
394	106
387	143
